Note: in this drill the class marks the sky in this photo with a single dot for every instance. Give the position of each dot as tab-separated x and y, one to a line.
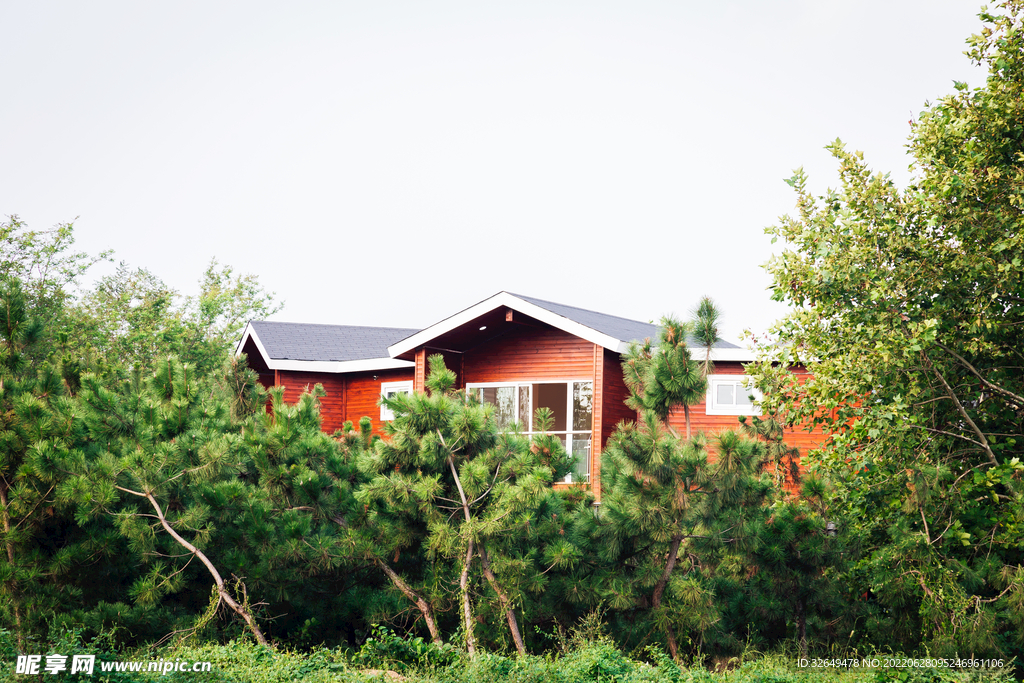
392	163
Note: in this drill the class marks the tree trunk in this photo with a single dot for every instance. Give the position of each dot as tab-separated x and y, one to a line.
421	604
467	608
686	414
659	590
510	614
15	601
240	610
802	626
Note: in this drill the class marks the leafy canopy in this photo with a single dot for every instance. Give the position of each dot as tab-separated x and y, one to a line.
907	309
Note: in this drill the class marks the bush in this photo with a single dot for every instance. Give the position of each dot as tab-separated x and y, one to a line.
386	650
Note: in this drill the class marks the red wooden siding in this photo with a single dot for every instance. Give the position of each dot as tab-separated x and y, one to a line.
332	406
699	419
713	424
364	392
615	409
419	381
596	442
531	353
349	397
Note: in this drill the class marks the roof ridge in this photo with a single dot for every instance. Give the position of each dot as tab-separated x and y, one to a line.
579	308
365	327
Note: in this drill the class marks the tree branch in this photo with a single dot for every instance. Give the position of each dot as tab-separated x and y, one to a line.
1019	400
940	431
963	413
232	603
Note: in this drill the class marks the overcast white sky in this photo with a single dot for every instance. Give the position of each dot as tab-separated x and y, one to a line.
391	163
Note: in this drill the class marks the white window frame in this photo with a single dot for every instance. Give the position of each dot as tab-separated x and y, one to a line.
528	430
742	383
388	388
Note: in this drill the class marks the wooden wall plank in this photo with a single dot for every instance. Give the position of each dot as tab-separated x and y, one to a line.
531	353
419	382
596	442
349	396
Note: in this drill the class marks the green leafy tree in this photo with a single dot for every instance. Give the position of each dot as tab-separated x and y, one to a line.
130	319
784	459
43	262
907	310
225	303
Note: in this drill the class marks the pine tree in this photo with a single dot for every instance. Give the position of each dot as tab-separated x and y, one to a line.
792	565
469	484
665	501
667	377
664	498
166	446
36	431
299	547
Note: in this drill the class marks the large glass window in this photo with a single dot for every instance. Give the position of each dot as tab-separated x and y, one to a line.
571	405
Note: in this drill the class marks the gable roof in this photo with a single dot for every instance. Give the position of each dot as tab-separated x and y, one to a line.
324	348
622	329
350	348
610	331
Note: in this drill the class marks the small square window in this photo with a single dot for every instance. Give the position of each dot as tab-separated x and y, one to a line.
389	389
731	395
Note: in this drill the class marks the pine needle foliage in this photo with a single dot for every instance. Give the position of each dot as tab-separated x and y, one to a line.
669	503
666	377
158	460
37	430
445	474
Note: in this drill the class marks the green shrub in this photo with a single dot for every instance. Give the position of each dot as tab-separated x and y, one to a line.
384	649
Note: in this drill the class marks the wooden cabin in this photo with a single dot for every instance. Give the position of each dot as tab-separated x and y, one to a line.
515	352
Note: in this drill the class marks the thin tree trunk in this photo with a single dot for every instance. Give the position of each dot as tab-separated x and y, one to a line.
467	608
510	614
686	414
421	604
240	610
802	626
15	600
659	590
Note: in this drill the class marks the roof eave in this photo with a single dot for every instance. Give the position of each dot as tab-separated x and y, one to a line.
361	365
333	366
247	333
738	355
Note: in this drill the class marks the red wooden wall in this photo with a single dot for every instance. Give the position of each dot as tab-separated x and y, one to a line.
349	396
530	353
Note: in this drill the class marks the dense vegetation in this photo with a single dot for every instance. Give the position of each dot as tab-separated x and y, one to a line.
152	499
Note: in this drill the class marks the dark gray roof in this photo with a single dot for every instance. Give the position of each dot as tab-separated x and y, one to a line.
623	329
307	341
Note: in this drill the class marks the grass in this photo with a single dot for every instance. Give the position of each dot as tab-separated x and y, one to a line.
387	657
